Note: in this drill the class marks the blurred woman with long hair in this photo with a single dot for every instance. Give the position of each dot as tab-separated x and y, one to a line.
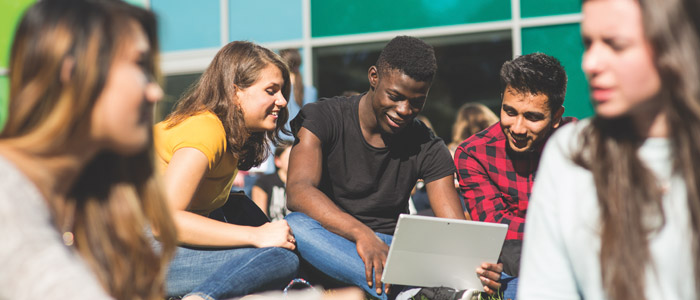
223	124
471	118
77	190
615	211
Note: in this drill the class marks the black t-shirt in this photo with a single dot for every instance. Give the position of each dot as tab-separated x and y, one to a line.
372	184
276	195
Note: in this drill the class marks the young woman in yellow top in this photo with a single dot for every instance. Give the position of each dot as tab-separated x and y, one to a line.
224	124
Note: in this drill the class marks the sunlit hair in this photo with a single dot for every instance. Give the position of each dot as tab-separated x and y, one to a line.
115	199
293	60
627	191
237	64
471	118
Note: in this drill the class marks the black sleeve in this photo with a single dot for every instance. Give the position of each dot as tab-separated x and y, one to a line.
317	118
435	160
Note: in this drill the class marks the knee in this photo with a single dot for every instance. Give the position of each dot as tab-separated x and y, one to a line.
287	260
281	255
299	221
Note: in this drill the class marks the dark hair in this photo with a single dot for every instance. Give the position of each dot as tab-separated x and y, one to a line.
628	193
237	64
115	197
411	56
293	60
536	73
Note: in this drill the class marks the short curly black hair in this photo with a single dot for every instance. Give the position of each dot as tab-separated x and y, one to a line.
411	56
536	73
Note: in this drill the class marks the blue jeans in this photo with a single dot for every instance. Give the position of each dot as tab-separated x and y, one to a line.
509	285
226	273
330	253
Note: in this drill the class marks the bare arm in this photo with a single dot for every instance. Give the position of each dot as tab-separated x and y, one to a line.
303	195
444	199
182	177
259	196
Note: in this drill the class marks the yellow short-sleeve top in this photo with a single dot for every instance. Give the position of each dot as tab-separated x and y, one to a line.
206	133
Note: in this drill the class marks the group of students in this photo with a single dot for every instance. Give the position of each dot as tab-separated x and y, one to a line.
97	203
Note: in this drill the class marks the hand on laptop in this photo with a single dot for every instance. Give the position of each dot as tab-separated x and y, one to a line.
373	253
490	276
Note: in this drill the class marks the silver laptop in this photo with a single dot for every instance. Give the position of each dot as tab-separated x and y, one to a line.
432	252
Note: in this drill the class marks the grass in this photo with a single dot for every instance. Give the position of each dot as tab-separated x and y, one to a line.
496	296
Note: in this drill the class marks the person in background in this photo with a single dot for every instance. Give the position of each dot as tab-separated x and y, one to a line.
78	194
615	212
225	123
496	167
301	94
471	118
269	192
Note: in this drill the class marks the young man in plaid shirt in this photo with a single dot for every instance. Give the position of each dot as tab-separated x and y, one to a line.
496	167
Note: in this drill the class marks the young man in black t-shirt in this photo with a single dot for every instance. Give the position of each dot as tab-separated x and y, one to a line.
355	162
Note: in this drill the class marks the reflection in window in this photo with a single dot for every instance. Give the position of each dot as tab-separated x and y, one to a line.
174	88
468	67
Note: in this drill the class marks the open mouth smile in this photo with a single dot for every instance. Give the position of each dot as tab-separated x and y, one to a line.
393	122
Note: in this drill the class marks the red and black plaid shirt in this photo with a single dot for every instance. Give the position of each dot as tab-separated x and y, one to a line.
496	183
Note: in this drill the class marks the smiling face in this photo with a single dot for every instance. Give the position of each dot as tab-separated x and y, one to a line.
262	101
526	119
618	60
397	99
123	113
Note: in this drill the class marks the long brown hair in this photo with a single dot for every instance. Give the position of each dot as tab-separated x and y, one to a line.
471	118
293	60
237	64
627	191
115	198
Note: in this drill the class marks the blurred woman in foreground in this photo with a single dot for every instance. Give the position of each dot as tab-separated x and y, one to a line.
615	211
77	192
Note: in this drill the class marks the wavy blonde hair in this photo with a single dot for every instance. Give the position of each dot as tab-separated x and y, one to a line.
115	198
471	118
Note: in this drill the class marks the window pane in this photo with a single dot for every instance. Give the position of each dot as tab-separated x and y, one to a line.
187	25
282	20
540	8
340	17
4	97
468	67
564	43
174	88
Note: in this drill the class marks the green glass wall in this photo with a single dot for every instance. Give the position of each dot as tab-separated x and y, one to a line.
541	8
564	43
341	17
10	13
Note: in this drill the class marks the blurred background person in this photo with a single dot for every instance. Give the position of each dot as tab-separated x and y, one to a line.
471	118
77	190
301	94
615	212
269	192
